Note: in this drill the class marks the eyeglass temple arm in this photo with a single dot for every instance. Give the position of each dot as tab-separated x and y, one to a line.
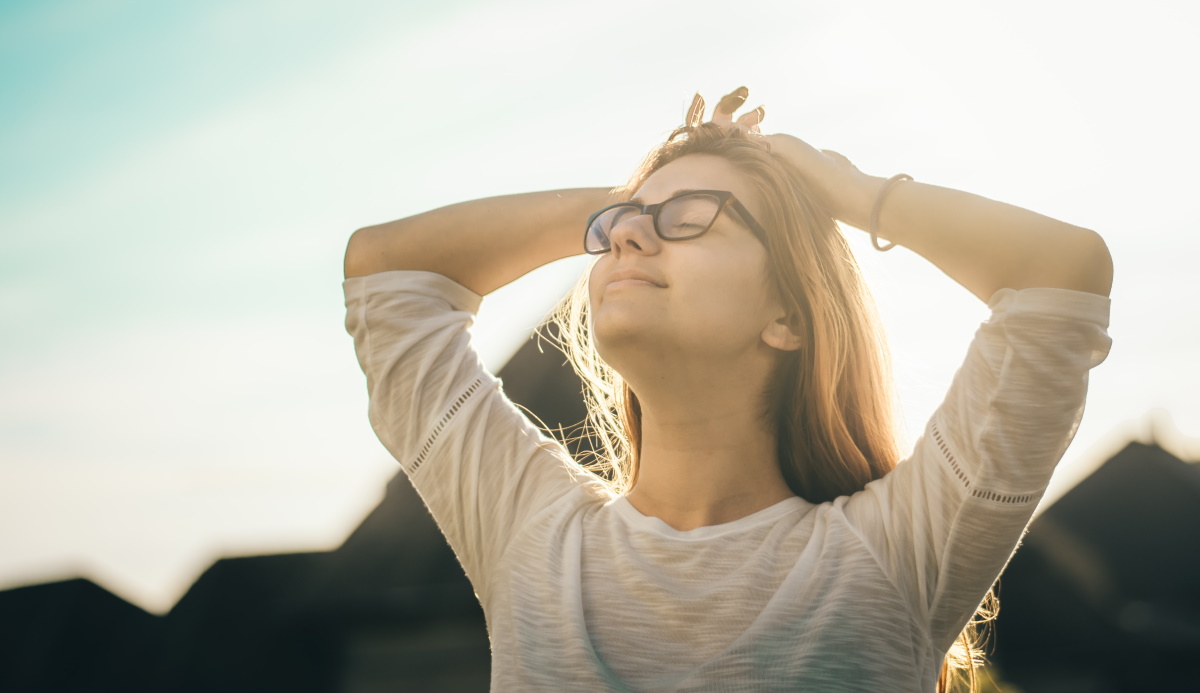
749	219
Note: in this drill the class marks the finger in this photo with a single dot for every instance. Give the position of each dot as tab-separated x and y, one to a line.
730	103
751	120
695	112
838	157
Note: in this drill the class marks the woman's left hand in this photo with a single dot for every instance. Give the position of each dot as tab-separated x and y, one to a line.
847	190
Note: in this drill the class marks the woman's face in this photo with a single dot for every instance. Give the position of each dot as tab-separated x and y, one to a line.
712	299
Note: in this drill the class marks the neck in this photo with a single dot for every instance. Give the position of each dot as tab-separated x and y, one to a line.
707	457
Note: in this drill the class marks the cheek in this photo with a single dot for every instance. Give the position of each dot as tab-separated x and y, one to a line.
734	302
739	280
748	304
729	302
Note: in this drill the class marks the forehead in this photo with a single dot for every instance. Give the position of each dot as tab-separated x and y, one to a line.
696	172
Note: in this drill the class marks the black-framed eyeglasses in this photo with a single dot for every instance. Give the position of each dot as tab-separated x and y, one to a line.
688	214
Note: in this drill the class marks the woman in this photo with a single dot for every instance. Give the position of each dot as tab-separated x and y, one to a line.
750	526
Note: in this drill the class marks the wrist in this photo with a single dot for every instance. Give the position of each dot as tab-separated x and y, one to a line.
856	200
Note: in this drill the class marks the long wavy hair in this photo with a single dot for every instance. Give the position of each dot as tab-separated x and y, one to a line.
832	400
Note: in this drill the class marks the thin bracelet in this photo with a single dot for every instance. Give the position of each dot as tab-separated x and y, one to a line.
874	225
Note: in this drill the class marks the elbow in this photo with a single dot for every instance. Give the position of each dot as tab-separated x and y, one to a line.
1095	265
1077	259
357	262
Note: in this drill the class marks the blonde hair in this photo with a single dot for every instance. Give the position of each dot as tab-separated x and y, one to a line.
832	400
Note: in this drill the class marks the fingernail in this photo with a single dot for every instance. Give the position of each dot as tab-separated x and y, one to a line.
761	113
695	111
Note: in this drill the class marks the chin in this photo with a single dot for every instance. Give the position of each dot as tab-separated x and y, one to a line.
609	334
612	338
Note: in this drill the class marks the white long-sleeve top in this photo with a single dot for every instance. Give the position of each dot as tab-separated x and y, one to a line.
583	592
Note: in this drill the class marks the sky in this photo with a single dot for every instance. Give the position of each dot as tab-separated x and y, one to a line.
178	182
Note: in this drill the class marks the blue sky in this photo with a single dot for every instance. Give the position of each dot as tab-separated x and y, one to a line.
86	82
178	180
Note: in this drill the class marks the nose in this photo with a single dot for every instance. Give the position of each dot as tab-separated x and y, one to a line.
634	233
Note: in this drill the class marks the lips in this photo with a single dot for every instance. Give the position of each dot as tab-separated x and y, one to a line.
621	275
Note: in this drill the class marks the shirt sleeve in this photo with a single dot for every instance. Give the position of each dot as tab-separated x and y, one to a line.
478	463
944	523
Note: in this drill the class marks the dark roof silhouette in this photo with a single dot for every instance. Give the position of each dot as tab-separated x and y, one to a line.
1105	592
72	635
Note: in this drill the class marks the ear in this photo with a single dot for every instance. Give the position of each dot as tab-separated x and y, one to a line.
783	333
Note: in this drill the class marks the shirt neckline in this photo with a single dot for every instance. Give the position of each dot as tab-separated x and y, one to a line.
654	525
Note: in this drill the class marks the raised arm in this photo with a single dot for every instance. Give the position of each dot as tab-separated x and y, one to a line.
983	244
980	243
481	244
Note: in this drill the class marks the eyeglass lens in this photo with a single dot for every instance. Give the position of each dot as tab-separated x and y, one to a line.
680	218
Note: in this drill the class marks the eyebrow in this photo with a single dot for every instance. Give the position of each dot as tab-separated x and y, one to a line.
638	200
